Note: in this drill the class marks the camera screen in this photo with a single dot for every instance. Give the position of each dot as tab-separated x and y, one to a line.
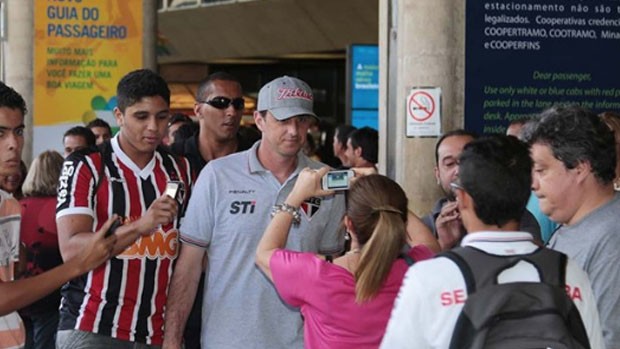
338	180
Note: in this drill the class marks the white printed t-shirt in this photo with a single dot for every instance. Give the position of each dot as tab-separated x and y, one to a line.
434	292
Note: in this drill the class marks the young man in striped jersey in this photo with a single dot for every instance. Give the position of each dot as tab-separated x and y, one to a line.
120	304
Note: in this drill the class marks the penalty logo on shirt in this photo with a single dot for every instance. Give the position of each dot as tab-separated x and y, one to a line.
310	207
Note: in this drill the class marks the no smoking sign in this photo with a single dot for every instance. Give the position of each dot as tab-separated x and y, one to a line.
423	107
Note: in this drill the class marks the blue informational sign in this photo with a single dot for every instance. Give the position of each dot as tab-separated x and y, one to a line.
524	56
364	77
364	80
361	118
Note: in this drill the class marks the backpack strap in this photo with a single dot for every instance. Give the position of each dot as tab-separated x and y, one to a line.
175	173
468	275
105	151
551	266
480	268
114	178
166	158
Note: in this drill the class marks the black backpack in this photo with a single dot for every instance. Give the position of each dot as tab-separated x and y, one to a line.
516	314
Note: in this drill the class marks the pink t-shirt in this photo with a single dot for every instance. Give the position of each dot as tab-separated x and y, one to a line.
325	292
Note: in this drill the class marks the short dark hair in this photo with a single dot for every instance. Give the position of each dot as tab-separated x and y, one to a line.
453	133
11	99
577	135
83	132
99	123
368	139
342	133
185	131
139	84
496	171
206	83
179	117
249	134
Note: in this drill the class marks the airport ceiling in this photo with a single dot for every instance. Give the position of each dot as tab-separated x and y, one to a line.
255	31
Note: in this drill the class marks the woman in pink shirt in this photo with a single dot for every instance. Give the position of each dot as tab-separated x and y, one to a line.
345	303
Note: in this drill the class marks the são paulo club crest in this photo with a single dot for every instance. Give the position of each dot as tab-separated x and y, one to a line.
310	207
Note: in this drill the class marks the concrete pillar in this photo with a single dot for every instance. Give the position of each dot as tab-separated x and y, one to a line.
149	55
18	59
422	44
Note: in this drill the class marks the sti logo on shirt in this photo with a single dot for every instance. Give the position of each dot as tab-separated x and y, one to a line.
242	207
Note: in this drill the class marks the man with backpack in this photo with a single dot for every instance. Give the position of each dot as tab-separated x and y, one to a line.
499	289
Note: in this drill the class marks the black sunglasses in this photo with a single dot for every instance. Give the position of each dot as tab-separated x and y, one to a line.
224	102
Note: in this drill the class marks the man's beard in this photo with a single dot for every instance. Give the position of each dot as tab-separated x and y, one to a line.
448	194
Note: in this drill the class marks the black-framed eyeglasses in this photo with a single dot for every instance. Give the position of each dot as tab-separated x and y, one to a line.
225	102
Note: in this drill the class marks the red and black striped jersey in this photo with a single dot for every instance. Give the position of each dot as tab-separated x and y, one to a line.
123	298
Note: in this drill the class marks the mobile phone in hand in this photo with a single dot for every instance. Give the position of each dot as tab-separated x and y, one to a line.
337	180
174	189
113	227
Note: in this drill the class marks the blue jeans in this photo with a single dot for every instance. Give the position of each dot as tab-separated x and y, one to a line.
73	339
41	330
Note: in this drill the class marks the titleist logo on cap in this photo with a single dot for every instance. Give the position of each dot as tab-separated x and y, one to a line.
286	93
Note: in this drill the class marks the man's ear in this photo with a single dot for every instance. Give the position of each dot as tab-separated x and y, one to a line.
467	209
436	169
118	115
358	152
259	120
583	170
197	110
464	200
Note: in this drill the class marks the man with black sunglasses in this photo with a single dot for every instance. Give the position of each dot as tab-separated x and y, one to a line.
226	218
219	108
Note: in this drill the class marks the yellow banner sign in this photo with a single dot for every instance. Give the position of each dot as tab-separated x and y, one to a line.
82	49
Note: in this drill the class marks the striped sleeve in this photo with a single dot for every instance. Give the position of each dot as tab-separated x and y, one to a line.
77	183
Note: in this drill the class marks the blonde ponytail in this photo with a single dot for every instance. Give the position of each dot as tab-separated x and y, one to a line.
379	253
377	210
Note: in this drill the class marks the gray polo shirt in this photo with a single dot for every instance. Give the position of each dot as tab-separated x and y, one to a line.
594	243
227	215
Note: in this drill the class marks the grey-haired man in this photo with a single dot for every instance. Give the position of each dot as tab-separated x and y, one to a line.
574	155
226	218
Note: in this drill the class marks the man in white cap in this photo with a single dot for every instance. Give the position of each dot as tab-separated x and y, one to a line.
226	217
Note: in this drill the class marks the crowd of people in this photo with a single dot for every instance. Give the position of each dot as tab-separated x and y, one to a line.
254	252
